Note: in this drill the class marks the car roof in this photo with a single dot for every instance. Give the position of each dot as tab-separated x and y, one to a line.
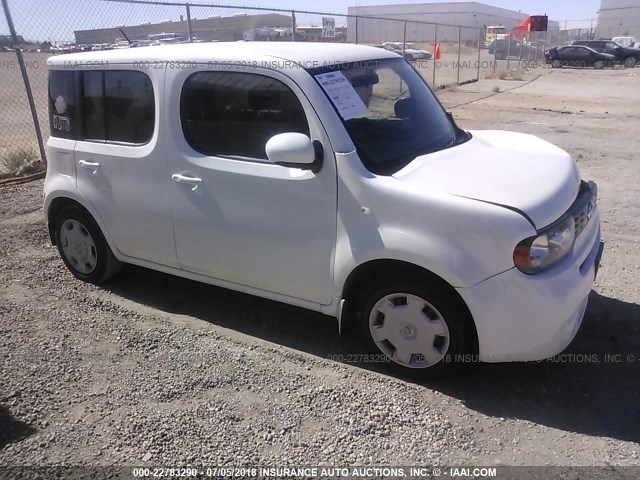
298	52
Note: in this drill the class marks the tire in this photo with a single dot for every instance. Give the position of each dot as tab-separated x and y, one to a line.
556	63
420	328
83	247
499	56
599	64
630	62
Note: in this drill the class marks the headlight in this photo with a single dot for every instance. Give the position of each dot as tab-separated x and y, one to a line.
536	254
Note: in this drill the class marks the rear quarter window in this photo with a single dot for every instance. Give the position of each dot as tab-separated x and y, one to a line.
62	105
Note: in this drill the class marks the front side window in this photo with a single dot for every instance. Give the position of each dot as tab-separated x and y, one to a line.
234	114
388	111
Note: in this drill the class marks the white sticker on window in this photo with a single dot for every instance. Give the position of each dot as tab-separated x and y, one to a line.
342	94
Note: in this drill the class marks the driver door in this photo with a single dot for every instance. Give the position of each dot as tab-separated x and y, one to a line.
238	217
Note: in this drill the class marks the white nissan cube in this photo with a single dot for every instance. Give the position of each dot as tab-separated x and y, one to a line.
324	176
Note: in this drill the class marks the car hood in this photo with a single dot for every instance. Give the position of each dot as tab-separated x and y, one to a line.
514	170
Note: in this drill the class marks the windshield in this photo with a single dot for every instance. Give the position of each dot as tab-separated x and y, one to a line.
389	112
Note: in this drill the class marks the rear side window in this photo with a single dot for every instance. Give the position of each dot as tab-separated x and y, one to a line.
93	103
62	105
113	106
235	114
129	107
118	106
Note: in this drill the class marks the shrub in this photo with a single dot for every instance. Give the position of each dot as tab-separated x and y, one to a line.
16	159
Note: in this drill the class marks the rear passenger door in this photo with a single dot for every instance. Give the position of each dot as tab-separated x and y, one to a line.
121	160
238	217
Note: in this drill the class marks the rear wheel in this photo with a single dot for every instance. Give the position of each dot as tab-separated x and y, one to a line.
419	328
630	62
82	246
599	64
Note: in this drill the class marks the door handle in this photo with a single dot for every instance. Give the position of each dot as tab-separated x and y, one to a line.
94	165
195	181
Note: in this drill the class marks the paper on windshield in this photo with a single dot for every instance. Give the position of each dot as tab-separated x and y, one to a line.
342	94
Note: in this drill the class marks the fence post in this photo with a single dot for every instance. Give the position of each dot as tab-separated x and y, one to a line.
356	29
189	30
520	54
480	40
293	25
435	62
404	35
459	47
508	50
25	78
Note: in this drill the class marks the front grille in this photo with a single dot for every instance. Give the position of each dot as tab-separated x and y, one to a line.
583	207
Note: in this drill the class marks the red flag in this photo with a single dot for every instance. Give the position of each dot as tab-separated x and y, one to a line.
436	52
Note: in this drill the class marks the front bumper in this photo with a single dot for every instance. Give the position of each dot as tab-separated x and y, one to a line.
523	317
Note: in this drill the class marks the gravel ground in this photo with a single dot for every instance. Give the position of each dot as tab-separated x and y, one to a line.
156	370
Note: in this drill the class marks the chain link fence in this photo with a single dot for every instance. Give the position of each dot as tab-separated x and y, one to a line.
444	54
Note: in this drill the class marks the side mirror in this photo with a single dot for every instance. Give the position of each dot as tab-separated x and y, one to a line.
403	108
295	150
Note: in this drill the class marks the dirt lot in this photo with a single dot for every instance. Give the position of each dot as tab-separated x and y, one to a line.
155	370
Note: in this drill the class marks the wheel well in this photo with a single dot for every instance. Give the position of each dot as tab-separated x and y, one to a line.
57	204
388	270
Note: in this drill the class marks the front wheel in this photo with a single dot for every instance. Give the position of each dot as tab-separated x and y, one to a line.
599	65
499	56
82	246
556	64
421	329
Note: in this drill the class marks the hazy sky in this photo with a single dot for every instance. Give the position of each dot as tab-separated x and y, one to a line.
57	19
557	9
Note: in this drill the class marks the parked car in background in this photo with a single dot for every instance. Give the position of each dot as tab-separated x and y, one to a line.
410	52
628	57
120	44
628	42
503	49
578	56
60	48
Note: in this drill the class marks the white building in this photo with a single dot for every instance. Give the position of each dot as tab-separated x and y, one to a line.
471	15
618	18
